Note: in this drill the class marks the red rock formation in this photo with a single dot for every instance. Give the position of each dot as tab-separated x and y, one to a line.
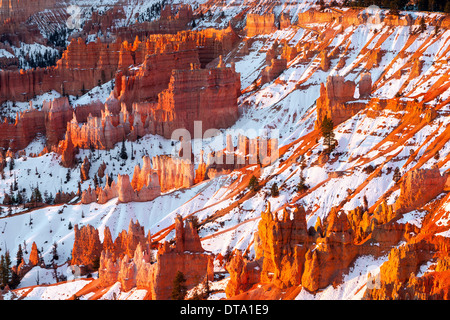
67	152
335	101
365	85
314	16
282	246
86	247
88	196
397	275
331	255
186	256
20	10
260	24
324	61
127	241
243	274
207	95
84	169
173	173
272	72
34	255
418	187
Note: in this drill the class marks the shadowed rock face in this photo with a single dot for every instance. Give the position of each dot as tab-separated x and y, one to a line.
418	187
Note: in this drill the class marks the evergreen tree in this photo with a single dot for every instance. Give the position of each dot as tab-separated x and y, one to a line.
326	129
253	183
54	252
302	186
36	195
95	181
179	287
123	151
5	268
11	164
68	175
423	25
19	255
274	192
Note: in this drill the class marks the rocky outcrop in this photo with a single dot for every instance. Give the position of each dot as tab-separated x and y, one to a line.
142	271
84	169
20	10
86	247
335	101
315	16
272	72
34	255
331	254
145	186
418	187
247	152
397	275
206	95
18	135
243	274
173	173
57	113
260	24
282	244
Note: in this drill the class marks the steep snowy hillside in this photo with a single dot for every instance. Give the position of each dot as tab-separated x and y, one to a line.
365	217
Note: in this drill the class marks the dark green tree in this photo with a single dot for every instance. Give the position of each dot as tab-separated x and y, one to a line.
326	129
274	191
302	186
253	184
179	287
36	195
19	255
123	151
5	269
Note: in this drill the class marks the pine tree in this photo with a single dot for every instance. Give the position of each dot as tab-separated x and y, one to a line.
19	255
68	175
253	183
36	196
123	151
326	129
95	181
11	164
423	25
179	288
302	186
54	252
274	192
5	268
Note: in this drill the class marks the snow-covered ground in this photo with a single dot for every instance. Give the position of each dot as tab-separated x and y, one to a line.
278	107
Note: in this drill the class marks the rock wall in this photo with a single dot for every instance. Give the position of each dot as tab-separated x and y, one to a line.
206	95
20	10
86	248
418	187
139	269
337	100
282	245
159	174
50	121
260	24
272	71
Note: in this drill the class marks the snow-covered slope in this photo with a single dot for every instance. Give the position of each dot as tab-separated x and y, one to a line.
287	104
